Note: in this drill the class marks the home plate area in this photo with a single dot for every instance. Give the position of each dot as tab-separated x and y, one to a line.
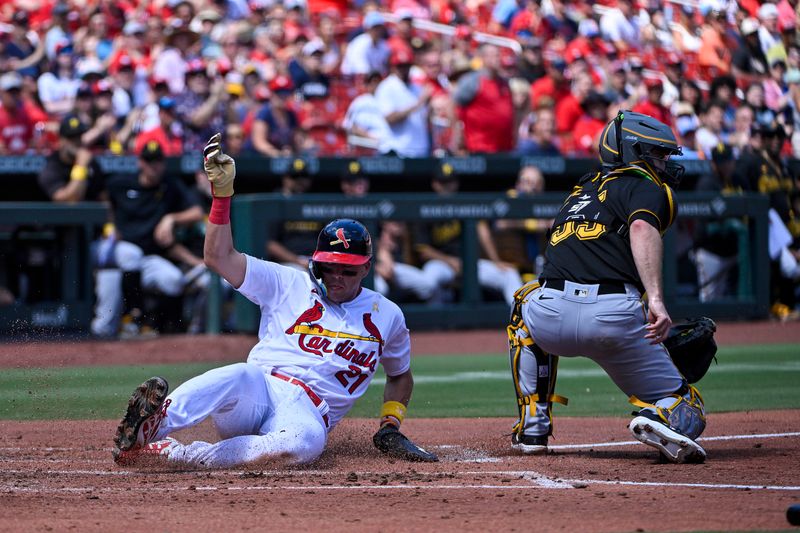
596	478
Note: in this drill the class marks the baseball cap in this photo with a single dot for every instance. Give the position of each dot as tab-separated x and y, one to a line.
151	151
71	127
722	153
653	83
686	124
132	27
195	66
749	26
63	46
313	46
445	173
281	83
10	80
353	172
768	11
90	66
372	19
166	103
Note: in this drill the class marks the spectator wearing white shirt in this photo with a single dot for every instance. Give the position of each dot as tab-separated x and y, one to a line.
364	118
368	51
404	103
618	26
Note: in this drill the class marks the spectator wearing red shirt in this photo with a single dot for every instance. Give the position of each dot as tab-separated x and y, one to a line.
485	106
586	133
403	31
652	104
168	134
18	116
554	86
569	108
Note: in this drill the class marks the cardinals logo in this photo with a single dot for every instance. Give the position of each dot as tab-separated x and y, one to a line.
341	239
308	317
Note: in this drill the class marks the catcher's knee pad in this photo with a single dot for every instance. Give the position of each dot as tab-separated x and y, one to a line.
683	411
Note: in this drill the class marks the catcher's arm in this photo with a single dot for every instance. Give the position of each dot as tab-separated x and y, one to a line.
218	251
388	439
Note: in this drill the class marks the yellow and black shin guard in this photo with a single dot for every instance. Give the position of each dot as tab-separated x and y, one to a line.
521	344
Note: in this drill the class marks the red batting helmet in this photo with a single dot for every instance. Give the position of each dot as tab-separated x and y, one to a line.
344	241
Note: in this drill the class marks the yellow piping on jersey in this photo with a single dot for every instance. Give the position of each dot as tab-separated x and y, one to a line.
671	201
643	211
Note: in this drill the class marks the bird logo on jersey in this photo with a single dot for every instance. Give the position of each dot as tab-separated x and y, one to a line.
308	317
317	340
341	238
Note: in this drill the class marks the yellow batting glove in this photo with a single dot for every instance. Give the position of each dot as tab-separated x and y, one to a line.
220	168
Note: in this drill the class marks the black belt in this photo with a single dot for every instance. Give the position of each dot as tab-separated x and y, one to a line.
603	288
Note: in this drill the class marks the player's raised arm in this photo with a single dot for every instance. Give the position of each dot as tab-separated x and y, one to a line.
218	251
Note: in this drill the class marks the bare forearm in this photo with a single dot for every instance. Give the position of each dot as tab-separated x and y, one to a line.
647	251
220	255
398	388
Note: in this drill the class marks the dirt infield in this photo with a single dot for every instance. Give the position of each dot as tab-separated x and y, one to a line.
59	475
596	479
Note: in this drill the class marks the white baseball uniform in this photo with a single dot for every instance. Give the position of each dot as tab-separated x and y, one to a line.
314	358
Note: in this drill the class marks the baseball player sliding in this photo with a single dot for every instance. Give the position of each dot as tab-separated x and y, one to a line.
321	337
603	254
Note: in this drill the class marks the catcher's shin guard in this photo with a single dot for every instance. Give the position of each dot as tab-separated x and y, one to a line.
534	375
672	424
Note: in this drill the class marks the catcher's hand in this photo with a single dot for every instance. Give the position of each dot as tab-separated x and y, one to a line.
692	347
220	168
390	441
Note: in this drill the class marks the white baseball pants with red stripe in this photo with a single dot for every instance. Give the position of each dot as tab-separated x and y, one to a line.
259	417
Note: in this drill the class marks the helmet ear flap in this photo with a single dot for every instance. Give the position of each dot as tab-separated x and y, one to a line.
316	277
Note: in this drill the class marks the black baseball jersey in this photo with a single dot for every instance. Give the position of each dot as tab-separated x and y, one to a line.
138	210
55	175
298	236
589	241
445	236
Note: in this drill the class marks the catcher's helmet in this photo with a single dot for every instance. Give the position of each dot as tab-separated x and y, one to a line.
645	142
343	241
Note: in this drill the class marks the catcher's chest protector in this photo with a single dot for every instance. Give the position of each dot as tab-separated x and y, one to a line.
587	203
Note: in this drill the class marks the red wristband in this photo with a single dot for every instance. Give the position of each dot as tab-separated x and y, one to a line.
220	211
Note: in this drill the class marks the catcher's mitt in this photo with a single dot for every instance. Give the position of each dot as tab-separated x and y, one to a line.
692	347
390	441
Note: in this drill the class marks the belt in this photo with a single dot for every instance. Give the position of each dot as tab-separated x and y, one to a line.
316	400
603	288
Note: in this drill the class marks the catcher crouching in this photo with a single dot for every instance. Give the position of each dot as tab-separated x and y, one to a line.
601	296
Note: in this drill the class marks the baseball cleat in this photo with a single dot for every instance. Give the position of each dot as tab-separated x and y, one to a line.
143	417
529	444
154	450
673	446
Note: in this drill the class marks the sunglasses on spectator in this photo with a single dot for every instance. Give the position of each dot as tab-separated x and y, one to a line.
328	270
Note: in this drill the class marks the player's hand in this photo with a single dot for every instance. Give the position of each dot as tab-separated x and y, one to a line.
220	168
660	322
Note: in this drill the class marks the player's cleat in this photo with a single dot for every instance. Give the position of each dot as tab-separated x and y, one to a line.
529	444
672	445
154	450
143	417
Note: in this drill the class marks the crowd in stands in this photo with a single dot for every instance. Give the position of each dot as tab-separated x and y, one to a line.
332	77
412	78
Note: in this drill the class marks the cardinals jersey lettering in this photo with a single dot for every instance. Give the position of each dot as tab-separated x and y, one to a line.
333	348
